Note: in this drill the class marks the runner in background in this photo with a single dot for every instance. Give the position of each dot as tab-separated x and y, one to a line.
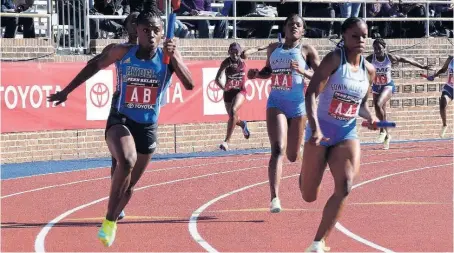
447	93
341	83
383	86
234	89
131	130
287	64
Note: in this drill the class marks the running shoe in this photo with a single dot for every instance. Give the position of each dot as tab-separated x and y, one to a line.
122	215
224	146
443	131
319	247
246	132
275	206
107	232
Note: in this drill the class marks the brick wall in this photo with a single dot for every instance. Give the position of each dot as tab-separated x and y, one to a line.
414	107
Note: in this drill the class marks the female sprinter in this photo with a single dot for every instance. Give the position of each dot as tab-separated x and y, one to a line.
446	94
131	28
383	86
287	64
131	131
234	89
342	80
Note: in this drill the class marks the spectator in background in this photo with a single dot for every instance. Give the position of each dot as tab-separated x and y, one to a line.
444	10
383	29
109	7
202	8
248	29
319	29
11	23
348	10
181	30
141	5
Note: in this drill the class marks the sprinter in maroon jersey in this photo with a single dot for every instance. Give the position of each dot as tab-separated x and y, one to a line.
234	88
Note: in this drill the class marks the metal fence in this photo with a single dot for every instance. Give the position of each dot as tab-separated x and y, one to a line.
68	21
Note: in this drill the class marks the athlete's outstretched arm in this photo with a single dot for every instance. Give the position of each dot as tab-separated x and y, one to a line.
266	71
364	111
246	53
397	58
221	69
444	68
328	65
106	49
114	54
181	70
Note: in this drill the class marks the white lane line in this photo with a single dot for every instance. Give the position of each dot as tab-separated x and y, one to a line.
193	231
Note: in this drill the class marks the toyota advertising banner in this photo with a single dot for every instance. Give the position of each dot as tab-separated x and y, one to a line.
25	87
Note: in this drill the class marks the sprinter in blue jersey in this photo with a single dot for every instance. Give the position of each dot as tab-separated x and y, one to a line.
142	79
342	83
287	64
131	28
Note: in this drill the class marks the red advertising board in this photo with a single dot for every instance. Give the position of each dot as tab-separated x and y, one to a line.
25	87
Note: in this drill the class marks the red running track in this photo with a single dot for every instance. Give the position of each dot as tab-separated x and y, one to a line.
402	202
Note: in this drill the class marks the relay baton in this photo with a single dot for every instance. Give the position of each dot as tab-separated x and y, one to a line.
279	37
169	35
379	124
171	27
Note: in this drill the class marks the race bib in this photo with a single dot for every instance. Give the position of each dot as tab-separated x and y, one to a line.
281	79
141	96
343	106
381	79
233	84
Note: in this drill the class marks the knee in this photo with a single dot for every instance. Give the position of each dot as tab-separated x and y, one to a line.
130	190
443	102
277	149
309	196
233	113
127	162
378	104
344	188
292	157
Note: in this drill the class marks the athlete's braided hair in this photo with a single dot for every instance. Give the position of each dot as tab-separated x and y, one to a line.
349	22
145	16
292	16
380	41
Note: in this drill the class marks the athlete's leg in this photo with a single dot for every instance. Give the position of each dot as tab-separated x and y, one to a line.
312	169
122	147
344	161
295	137
112	169
139	168
234	120
381	101
276	123
444	100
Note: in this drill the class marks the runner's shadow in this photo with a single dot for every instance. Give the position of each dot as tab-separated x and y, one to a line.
201	219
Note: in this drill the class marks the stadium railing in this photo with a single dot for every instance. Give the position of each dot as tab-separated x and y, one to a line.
80	25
